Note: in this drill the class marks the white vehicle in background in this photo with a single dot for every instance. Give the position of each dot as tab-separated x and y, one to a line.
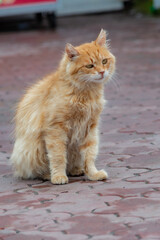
73	7
40	8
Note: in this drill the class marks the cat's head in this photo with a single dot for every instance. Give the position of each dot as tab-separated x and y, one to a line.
90	62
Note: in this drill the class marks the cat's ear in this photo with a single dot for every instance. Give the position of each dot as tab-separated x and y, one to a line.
102	38
71	51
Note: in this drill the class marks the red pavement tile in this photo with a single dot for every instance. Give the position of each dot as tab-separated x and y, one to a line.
93	225
127	206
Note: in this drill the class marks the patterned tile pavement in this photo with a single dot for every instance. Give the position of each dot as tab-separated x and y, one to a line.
127	206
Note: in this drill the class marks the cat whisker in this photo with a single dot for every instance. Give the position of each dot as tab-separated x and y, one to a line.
116	84
114	80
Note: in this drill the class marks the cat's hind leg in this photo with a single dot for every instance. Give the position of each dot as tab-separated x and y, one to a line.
76	171
75	161
46	177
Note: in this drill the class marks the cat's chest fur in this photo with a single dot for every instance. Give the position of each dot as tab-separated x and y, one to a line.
83	116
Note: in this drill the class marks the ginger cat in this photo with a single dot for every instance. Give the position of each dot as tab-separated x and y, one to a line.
57	119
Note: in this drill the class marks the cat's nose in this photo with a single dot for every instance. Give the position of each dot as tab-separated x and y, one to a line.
102	73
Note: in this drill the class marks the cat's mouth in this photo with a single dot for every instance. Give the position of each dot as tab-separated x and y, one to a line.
98	80
101	78
94	79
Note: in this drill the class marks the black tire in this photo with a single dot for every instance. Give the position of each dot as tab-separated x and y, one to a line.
52	21
39	18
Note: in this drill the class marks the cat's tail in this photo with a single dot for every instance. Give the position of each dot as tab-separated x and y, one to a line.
29	159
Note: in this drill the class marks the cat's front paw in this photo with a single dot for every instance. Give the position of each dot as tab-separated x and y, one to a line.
59	179
98	176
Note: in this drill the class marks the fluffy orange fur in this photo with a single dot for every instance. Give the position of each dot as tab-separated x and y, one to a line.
57	119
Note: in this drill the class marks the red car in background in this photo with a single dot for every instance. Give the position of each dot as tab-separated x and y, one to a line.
41	8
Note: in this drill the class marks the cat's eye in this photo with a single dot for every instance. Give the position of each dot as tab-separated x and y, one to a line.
89	66
104	61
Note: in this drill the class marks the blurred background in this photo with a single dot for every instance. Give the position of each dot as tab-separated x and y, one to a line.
23	14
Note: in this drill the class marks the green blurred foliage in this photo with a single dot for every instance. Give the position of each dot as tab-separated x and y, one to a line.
144	6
